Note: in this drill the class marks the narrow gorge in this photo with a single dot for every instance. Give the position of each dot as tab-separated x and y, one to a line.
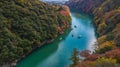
106	19
66	33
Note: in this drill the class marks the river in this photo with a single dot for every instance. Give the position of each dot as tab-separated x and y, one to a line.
57	54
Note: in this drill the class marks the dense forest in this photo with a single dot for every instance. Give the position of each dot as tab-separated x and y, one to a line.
86	6
28	24
107	21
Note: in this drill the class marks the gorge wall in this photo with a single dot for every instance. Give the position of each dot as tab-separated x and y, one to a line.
86	6
26	25
107	21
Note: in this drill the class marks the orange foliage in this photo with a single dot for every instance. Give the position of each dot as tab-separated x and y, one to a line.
112	53
65	13
65	24
101	39
85	53
93	57
107	43
85	64
117	28
109	14
60	30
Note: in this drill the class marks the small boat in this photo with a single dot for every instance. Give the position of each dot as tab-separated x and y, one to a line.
75	26
72	35
79	36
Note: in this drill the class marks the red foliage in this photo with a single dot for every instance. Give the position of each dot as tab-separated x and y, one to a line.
65	24
60	30
113	53
84	64
110	54
65	13
92	57
85	53
109	14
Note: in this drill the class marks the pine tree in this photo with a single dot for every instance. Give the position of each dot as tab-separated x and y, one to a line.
75	57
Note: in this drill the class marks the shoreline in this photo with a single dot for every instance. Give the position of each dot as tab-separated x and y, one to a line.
65	27
14	63
42	45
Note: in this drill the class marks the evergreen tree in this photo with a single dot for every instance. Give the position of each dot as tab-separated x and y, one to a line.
75	57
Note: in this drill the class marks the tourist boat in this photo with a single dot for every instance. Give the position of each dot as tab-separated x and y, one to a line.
72	35
79	36
75	26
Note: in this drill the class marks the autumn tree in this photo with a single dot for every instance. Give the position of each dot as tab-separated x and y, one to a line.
105	62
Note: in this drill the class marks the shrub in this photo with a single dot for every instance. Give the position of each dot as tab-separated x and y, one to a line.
110	36
117	40
105	62
106	46
102	28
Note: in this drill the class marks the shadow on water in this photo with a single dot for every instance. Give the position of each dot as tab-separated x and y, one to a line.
41	53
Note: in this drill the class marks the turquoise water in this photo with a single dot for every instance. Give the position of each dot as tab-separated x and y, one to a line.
57	54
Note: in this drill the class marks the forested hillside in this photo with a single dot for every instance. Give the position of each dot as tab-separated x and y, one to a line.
86	6
28	24
107	21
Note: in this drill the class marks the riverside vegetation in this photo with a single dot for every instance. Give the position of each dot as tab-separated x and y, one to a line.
107	21
28	24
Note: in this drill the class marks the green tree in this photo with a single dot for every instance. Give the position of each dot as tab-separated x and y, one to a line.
75	57
104	49
117	40
25	25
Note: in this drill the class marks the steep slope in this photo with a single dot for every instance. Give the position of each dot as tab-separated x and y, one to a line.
86	6
108	14
107	21
28	24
